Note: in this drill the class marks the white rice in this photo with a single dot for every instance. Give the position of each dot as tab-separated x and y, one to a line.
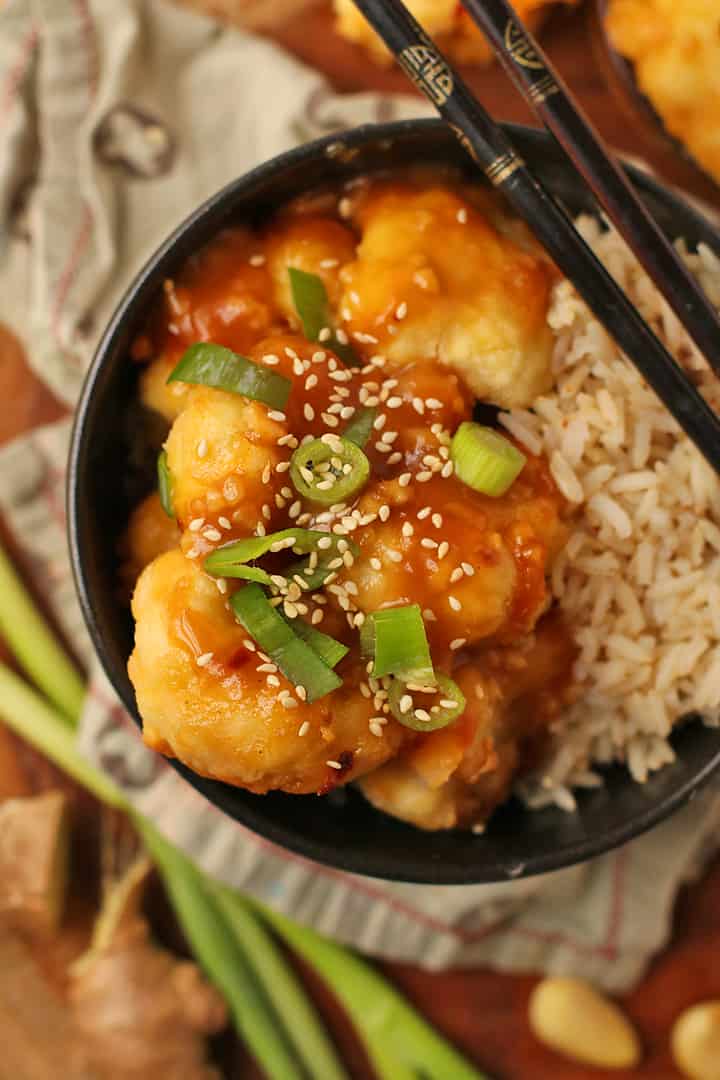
639	579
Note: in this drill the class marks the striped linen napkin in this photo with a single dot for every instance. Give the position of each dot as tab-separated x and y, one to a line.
115	121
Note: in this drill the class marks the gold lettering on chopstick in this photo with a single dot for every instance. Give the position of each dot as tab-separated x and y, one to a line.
519	47
542	89
428	71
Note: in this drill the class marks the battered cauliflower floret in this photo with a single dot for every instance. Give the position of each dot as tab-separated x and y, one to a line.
156	393
676	52
221	452
317	245
224	718
476	565
150	533
458	775
435	279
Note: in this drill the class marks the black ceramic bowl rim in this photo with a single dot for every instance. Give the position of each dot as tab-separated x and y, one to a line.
351	835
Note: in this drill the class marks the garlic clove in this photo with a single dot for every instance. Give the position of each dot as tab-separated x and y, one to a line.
570	1016
695	1041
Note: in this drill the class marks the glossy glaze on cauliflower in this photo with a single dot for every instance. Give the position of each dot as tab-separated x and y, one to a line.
443	301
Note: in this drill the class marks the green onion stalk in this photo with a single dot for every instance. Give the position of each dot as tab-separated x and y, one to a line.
228	934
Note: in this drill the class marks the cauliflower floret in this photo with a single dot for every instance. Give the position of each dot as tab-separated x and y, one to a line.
317	245
225	718
222	451
435	279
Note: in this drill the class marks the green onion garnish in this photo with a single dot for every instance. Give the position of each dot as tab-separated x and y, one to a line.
484	459
328	649
164	482
227	561
315	578
451	705
329	472
395	638
214	365
313	307
359	428
296	659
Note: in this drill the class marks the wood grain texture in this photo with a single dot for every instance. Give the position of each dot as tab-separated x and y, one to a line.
482	1012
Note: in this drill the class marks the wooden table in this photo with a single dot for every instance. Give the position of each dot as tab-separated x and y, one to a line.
482	1012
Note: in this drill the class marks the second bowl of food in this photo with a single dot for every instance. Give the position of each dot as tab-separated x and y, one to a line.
425	581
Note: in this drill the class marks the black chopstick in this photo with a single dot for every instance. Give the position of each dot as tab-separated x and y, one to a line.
538	81
490	148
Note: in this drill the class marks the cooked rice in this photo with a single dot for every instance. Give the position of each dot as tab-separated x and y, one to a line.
639	579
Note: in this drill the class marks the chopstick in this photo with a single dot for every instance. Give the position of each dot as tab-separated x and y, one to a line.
491	149
546	93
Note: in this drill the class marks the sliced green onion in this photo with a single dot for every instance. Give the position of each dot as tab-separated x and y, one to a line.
328	649
313	307
214	365
227	561
484	459
316	578
395	639
164	482
296	659
359	428
325	475
440	714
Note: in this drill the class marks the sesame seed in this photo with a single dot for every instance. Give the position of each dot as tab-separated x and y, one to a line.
260	529
388	436
469	570
324	543
287	440
301	692
375	728
308	411
418	405
306	474
382	448
295	509
462	216
351	588
395	458
325	485
424	476
433	403
279	501
447	469
342	337
407	529
250	645
192	553
457	643
275	414
384	512
212	534
447	703
290	610
428	542
202	448
328	264
311	381
478	830
406	703
456	574
345	210
266	512
394	402
304	728
454	603
443	549
359	618
425	512
333	764
257	260
380	422
272	680
266	474
429	615
395	556
224	523
204	659
317	616
404	479
288	701
282	467
375	563
271	359
347	411
422	714
298	367
401	310
221	585
437	520
196	524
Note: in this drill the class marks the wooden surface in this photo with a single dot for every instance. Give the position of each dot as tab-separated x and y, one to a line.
482	1012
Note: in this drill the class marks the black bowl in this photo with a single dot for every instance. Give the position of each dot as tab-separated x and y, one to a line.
342	830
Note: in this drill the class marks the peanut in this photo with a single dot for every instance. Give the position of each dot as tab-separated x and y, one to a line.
695	1041
574	1019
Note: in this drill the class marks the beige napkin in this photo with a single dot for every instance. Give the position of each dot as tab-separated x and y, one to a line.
116	118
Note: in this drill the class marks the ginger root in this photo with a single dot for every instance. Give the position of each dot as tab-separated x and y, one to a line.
34	852
140	1010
